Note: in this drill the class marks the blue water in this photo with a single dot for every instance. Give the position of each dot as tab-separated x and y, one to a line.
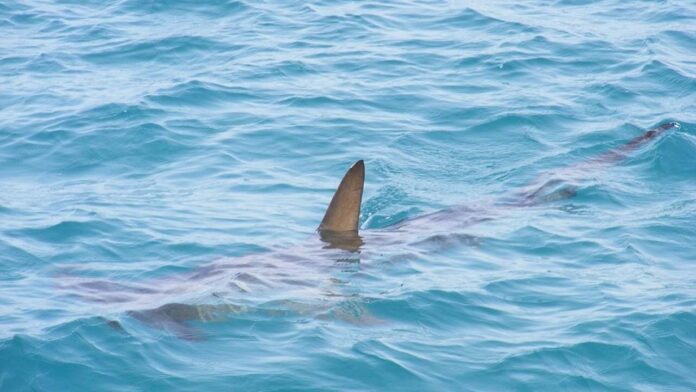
141	141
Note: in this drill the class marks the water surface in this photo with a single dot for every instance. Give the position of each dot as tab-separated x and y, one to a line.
141	141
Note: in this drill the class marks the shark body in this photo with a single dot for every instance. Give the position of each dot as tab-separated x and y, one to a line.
305	270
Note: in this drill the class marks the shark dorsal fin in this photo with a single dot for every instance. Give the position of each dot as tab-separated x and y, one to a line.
344	210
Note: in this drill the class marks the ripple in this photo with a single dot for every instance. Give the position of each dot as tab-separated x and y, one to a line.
209	9
163	50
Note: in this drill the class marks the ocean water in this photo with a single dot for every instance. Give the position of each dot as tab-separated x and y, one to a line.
178	155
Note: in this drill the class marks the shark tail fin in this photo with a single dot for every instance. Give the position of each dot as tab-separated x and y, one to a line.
344	210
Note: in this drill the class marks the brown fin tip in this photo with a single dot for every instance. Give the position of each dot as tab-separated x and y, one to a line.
343	212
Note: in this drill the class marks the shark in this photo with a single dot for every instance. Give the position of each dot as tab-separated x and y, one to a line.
230	286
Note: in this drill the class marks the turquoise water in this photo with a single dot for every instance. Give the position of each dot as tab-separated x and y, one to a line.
142	142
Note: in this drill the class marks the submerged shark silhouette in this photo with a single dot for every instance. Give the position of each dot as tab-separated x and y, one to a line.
298	269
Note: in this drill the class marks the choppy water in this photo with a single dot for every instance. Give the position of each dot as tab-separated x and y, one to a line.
143	140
